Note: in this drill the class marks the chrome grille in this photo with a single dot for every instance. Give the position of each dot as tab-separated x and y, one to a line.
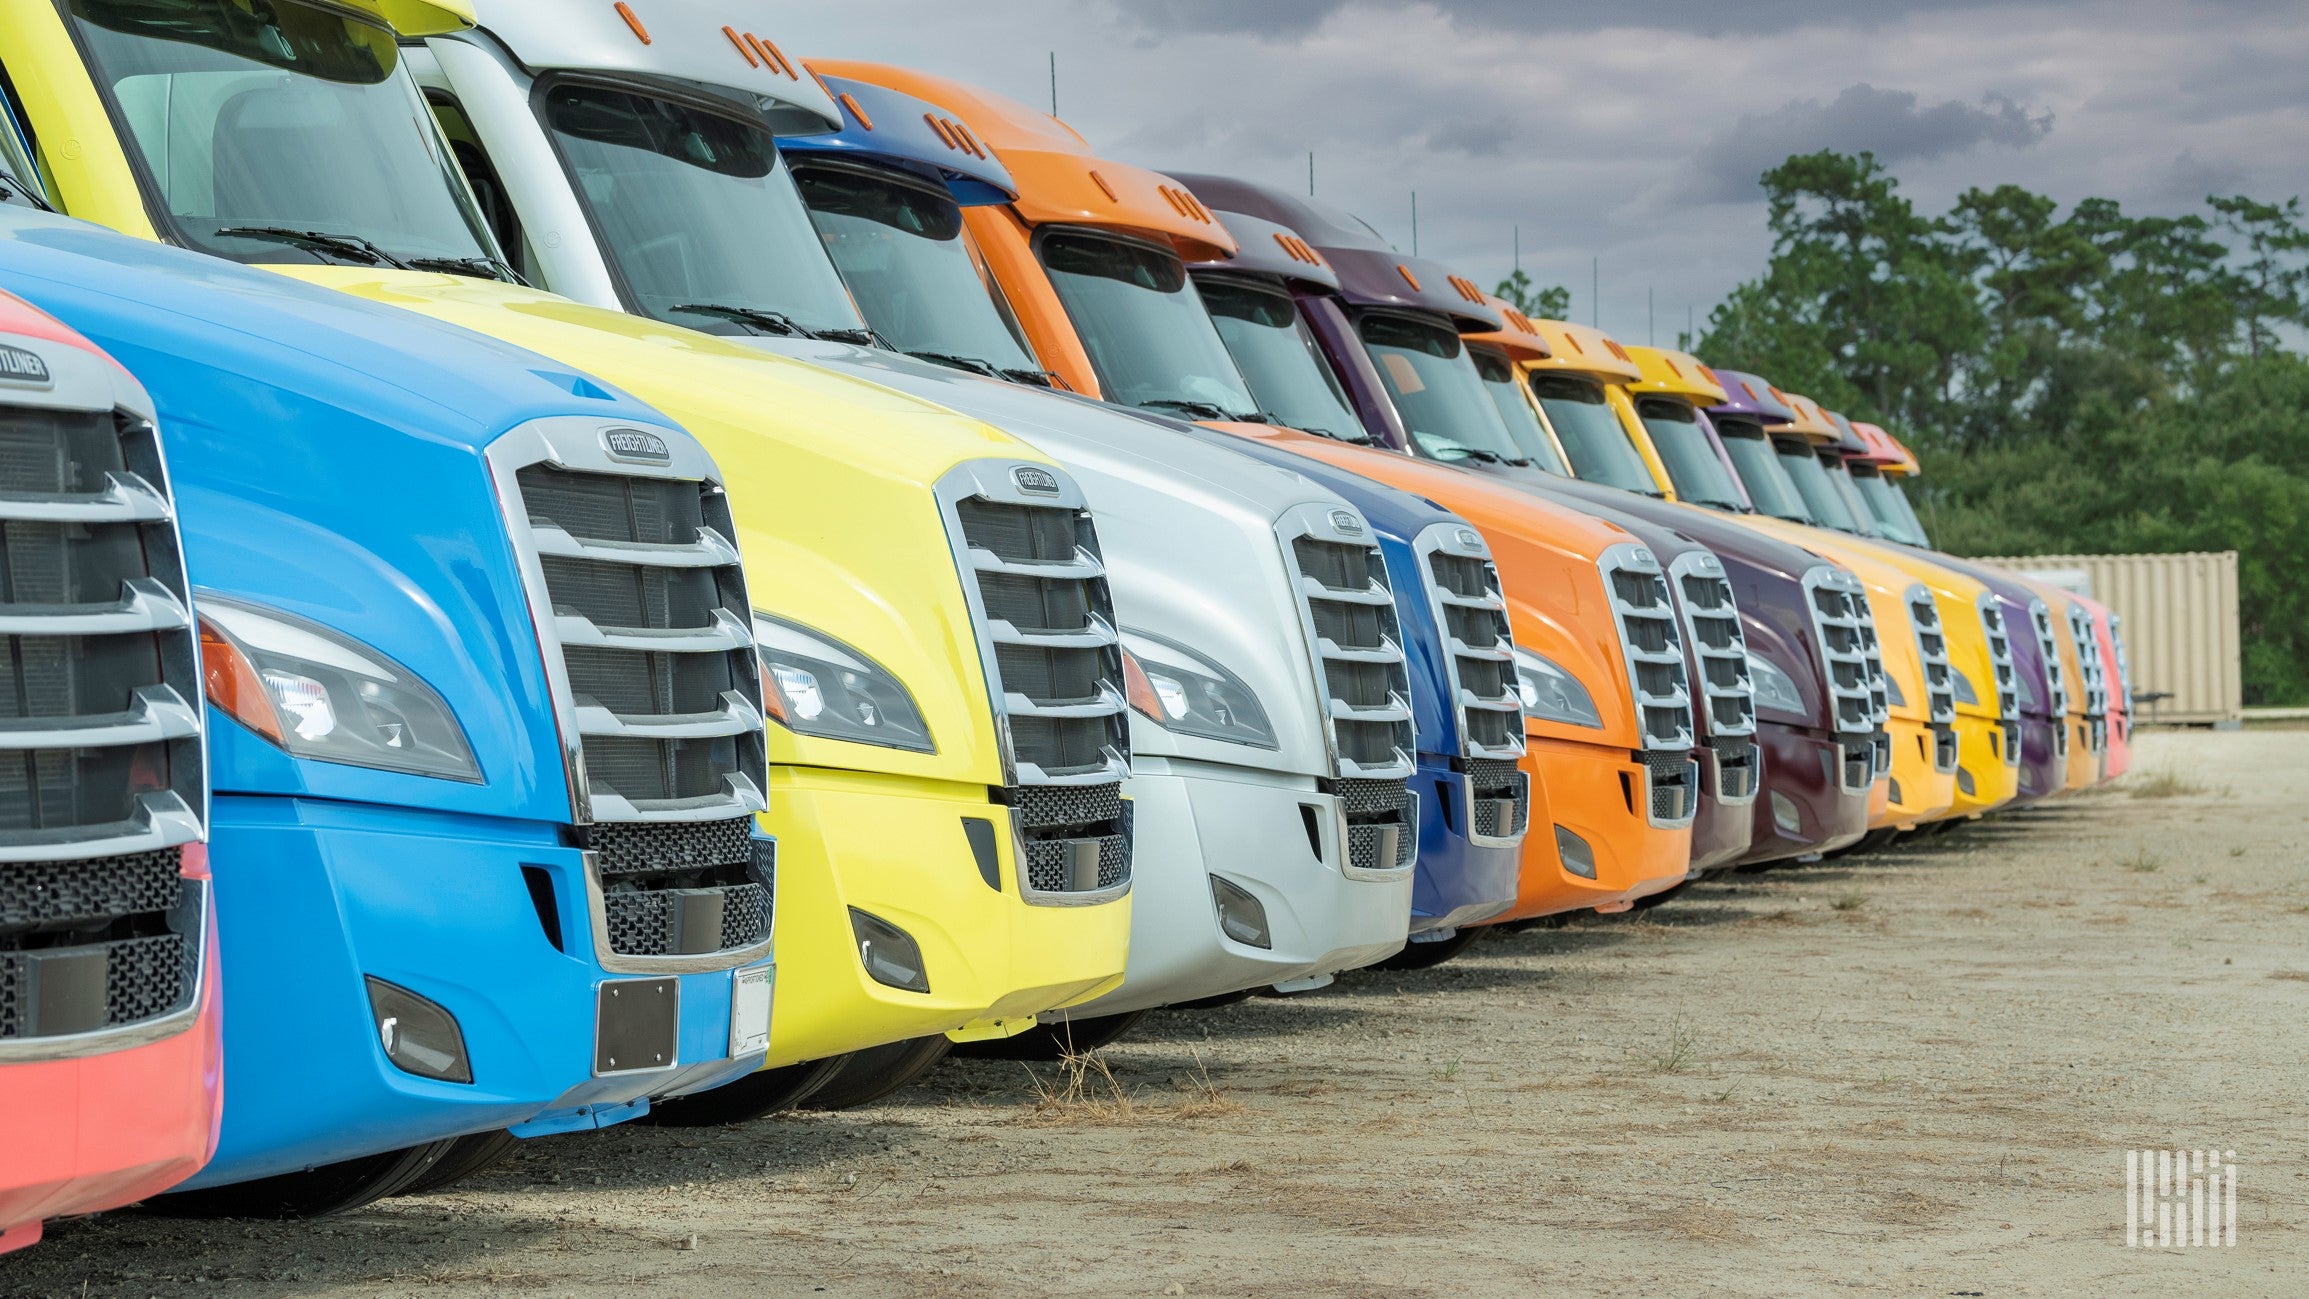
2007	679
1739	769
103	780
2055	674
1846	637
2095	683
646	629
1671	787
1347	613
1651	647
1470	609
1932	653
1036	583
2124	697
1499	799
1719	646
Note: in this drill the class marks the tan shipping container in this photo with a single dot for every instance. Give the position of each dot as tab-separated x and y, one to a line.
2180	625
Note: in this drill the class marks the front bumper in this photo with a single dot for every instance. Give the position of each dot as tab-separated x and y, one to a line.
1722	832
1198	819
1804	810
1458	880
895	847
2043	768
95	1132
1598	793
313	895
1984	779
1918	791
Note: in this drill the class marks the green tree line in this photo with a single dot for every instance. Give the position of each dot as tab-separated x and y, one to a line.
2085	381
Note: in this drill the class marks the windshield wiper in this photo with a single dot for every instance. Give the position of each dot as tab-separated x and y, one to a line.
1038	378
352	248
10	187
487	268
766	321
1196	409
957	361
855	337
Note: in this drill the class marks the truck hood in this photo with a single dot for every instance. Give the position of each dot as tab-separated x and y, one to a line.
1187	529
831	480
328	456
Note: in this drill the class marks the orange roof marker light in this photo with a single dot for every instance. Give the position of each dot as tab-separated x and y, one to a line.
625	11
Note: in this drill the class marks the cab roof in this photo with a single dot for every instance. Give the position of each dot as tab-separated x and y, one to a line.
1265	248
1808	421
678	40
1848	442
1587	350
1518	335
1371	273
897	130
1669	373
1748	394
1886	452
1059	180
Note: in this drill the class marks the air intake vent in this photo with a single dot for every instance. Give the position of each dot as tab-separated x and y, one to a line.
1719	646
1347	612
1651	646
628	549
2095	683
1932	653
2055	675
2007	678
102	776
1470	607
1036	584
1847	641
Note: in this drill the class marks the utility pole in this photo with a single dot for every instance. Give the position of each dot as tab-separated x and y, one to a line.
1519	250
1414	223
1054	83
1310	173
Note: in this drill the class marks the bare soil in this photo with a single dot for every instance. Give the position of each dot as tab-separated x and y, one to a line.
1913	1073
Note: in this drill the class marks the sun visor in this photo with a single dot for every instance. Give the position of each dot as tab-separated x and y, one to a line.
898	130
1747	394
417	18
1848	441
1808	420
1675	374
1517	335
664	40
1584	349
1379	277
1264	248
1058	179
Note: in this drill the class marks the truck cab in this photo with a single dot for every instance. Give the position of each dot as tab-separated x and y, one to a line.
109	1023
1091	262
955	853
451	899
1202	549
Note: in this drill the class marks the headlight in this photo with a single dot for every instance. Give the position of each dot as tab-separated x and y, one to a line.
1965	694
1551	693
814	685
1180	690
1775	689
322	695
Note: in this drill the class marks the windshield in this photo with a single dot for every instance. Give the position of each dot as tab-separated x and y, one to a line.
1146	330
1821	499
1888	506
696	214
1760	471
1591	433
1436	390
1507	396
1840	478
279	131
899	246
1698	473
1272	347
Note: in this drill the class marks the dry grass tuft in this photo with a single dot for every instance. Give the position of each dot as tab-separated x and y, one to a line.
2302	975
2142	861
1676	1052
2168	783
1086	1093
1850	902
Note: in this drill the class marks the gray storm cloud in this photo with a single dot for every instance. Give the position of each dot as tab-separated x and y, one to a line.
1893	124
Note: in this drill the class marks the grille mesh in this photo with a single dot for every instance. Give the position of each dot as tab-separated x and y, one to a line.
653	873
1500	794
1057	664
1652	647
1674	783
100	659
1479	649
1738	769
1350	605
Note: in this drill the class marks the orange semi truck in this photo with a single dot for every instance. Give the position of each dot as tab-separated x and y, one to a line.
1091	262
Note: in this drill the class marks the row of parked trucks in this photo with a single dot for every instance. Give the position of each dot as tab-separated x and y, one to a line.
560	565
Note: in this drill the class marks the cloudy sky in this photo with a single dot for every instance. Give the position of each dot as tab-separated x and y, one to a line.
1632	133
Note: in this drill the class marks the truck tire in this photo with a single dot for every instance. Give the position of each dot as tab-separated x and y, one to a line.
757	1095
467	1156
1426	956
1073	1036
313	1193
869	1075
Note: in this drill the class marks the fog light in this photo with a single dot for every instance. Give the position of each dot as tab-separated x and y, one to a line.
1896	791
1241	917
1964	781
1577	857
1785	818
418	1036
889	953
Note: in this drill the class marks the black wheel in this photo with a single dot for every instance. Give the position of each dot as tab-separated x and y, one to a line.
762	1092
1212	1003
466	1156
1873	840
869	1075
1055	1041
1649	900
314	1193
1425	956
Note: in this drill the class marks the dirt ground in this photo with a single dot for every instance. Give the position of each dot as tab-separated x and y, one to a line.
1914	1073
